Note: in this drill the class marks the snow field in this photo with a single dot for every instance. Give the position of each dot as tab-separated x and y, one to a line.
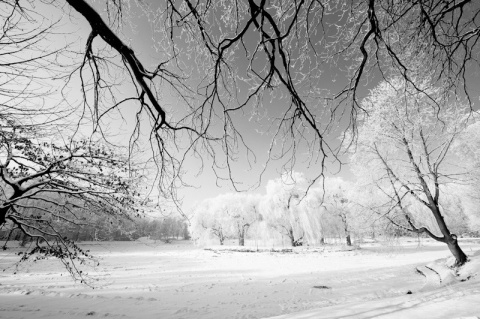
150	280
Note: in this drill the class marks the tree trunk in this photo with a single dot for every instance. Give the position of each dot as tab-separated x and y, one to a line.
17	192
456	251
242	233
450	239
292	238
3	215
241	237
24	241
292	241
433	200
347	232
349	241
8	238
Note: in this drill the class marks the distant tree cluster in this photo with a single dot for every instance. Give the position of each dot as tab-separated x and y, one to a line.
164	229
287	214
103	228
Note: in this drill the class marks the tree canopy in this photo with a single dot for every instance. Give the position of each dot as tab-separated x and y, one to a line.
302	67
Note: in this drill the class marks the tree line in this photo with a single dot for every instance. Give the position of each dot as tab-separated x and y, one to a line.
102	228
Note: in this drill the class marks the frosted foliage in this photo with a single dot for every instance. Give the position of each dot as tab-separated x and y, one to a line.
260	234
280	207
226	216
202	219
471	206
412	149
341	201
287	215
464	199
313	217
395	114
467	148
370	201
468	143
452	210
240	212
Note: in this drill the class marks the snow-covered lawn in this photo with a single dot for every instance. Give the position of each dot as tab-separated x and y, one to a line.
151	280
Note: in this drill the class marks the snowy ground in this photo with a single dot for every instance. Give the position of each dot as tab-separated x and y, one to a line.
148	280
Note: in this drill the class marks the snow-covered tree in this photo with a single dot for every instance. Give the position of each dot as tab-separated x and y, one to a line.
226	216
242	211
280	206
405	149
316	223
339	201
209	220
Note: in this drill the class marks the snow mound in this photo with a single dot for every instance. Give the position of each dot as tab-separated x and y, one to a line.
448	293
471	269
442	272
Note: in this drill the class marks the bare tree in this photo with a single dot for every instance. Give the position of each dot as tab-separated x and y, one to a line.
282	51
296	49
224	59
